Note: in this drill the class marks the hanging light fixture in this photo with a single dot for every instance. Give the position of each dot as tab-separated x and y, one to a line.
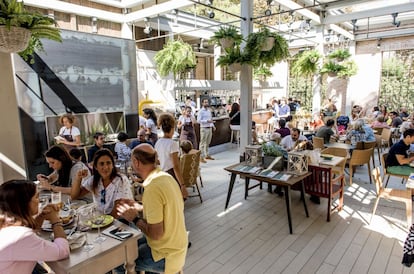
94	24
379	43
394	20
147	29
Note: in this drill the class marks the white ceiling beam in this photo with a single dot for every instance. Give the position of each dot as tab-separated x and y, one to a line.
343	4
334	19
121	4
76	9
340	30
156	9
396	32
300	9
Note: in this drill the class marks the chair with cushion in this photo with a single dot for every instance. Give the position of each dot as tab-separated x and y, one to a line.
401	195
318	142
321	184
360	157
190	168
388	175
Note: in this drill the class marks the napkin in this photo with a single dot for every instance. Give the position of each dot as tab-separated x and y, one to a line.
76	240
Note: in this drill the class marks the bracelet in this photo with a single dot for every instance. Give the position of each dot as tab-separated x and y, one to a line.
59	223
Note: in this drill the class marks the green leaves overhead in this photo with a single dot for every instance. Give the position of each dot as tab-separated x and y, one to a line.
307	63
176	57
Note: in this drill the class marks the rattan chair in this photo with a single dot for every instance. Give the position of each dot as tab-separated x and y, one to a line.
318	142
339	169
360	157
388	175
321	183
365	145
190	168
401	195
383	140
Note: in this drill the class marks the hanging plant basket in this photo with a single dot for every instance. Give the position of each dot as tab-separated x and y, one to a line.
332	74
15	39
236	67
268	44
227	43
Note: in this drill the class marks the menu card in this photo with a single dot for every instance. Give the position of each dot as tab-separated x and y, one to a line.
247	169
410	181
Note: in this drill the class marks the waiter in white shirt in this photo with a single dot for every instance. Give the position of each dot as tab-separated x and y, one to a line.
207	127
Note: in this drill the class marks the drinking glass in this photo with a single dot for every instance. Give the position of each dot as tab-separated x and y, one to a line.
84	218
56	198
99	219
43	201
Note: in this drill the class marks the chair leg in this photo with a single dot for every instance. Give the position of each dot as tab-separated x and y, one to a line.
201	181
388	178
369	173
351	174
328	217
199	193
375	208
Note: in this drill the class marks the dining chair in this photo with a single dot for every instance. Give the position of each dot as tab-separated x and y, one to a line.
378	130
382	140
365	145
321	183
339	169
190	170
318	142
388	175
401	195
360	157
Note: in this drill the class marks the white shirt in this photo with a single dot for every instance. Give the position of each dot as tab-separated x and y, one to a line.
151	125
288	143
165	147
74	131
204	115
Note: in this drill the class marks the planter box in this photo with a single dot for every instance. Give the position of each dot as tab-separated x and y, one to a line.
267	160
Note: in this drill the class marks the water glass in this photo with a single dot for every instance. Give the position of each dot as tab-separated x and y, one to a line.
84	218
56	198
99	220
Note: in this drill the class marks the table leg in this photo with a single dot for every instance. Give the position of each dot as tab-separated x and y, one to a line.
302	194
246	187
287	199
131	253
232	180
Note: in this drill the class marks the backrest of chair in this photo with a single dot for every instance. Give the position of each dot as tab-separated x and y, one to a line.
318	142
336	151
378	129
360	156
190	164
376	175
319	182
371	144
386	134
384	161
359	145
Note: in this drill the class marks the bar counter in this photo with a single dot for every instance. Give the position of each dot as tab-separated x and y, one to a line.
222	133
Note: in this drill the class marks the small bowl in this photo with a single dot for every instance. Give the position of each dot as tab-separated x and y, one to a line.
327	156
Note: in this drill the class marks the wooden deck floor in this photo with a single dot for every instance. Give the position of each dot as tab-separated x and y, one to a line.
252	236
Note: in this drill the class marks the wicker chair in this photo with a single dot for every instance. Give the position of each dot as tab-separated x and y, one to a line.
320	183
401	195
318	142
388	175
339	169
360	157
383	140
190	166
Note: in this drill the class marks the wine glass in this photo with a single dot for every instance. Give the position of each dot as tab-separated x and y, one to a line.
43	201
84	217
98	221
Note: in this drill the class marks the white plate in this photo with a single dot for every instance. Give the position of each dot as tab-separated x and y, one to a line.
47	226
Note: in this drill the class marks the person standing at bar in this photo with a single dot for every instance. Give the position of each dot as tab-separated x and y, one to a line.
206	122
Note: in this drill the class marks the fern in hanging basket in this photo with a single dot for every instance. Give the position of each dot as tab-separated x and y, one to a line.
232	56
350	69
14	16
340	54
307	63
261	73
176	57
229	33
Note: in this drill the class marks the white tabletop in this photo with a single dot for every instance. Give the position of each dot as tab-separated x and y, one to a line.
336	160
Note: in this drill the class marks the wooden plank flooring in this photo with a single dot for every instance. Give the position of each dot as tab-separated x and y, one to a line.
252	236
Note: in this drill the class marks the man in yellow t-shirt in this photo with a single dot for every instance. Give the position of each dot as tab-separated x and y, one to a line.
164	247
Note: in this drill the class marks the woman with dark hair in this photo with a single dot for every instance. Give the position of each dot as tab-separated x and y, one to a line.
20	246
235	114
69	135
283	130
167	151
151	125
186	123
122	151
106	185
63	172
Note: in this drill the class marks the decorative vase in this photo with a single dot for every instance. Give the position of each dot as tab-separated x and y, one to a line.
268	44
15	39
235	67
227	43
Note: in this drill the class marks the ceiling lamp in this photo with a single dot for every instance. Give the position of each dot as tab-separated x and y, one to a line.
379	43
94	24
394	20
354	26
147	30
211	14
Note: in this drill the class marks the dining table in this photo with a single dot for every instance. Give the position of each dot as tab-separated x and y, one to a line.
346	146
282	179
103	257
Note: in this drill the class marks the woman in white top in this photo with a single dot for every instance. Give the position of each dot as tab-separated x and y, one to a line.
167	150
106	185
151	125
186	123
70	135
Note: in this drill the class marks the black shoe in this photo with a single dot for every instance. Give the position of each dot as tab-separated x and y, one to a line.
412	198
279	191
189	244
315	199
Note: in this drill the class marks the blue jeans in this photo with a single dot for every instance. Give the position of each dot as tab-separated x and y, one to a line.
145	262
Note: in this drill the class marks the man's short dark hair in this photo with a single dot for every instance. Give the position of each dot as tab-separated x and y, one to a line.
122	136
282	122
98	134
330	122
296	130
75	153
394	113
408	132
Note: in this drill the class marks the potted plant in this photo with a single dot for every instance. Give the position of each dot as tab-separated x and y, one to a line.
340	54
332	68
257	47
350	69
227	37
271	150
261	73
307	63
177	57
233	58
21	30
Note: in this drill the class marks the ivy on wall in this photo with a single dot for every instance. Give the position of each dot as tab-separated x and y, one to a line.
397	80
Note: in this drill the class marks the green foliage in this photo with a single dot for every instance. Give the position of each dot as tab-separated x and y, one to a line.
254	43
331	66
393	67
176	57
13	13
307	63
272	149
232	56
262	72
350	69
227	32
340	54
